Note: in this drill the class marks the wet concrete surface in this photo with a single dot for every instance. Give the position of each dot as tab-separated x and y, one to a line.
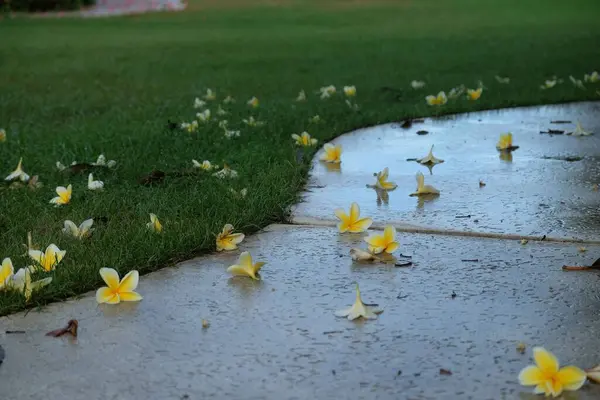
537	192
279	338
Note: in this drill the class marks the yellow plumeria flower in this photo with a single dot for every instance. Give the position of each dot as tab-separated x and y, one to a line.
382	180
227	240
252	122
474	94
49	259
94	185
546	376
117	290
245	267
417	84
203	116
359	309
21	282
2	135
430	158
18	173
438	100
206	165
64	196
579	131
332	154
154	225
226	172
549	84
503	80
422	188
350	91
593	77
304	139
352	222
6	272
210	95
505	143
301	96
386	242
327	91
83	231
253	102
576	82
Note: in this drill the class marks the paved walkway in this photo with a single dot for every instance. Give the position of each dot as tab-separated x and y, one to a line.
463	306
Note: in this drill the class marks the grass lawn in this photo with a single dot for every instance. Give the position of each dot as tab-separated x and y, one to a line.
73	89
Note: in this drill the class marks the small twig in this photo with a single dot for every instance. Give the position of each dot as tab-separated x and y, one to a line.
403	264
560	121
13	332
330	332
405	256
463	216
470	260
552	132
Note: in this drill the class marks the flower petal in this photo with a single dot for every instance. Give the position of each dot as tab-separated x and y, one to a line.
129	282
572	378
392	247
545	360
110	277
105	295
236	238
343	313
361	225
130	296
237	270
354	212
530	376
389	233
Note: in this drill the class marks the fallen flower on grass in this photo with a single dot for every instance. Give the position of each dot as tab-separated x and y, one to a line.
438	100
456	92
21	282
576	82
49	259
18	173
199	103
579	131
190	126
352	106
2	135
301	96
206	165
117	290
304	139
231	134
83	231
474	94
101	162
595	266
422	188
210	95
332	154
71	328
241	194
350	91
226	172
221	112
505	143
154	225
382	181
227	240
593	77
327	91
417	84
94	185
549	84
352	222
361	255
314	119
245	267
430	158
6	272
253	102
228	100
546	376
503	80
252	122
203	116
64	196
359	309
386	242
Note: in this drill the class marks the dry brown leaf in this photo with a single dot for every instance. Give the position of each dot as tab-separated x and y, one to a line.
71	328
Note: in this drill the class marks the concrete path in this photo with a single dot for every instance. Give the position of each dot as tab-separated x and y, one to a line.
463	306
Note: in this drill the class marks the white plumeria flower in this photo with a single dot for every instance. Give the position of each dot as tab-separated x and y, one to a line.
199	103
301	96
223	124
359	309
430	158
576	82
210	95
352	106
206	165
221	112
101	162
456	92
226	172
94	185
228	100
549	84
503	80
593	77
252	122
327	91
21	281
417	84
231	134
253	102
314	119
83	231
241	194
60	166
579	131
190	126
18	173
203	116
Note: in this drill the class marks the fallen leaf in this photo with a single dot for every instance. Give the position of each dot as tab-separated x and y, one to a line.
422	132
445	371
521	347
406	124
205	324
453	295
71	328
481	183
524	241
155	176
595	265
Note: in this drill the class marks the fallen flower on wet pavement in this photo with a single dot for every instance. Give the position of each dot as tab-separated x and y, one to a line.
422	188
417	84
546	376
253	102
154	225
71	328
18	173
359	309
579	131
64	196
227	240
438	100
332	154
361	255
205	324
352	222
382	181
245	267
304	139
386	242
595	266
581	249
49	259
94	185
505	143
83	231
474	94
430	159
593	373
524	241
503	80
117	290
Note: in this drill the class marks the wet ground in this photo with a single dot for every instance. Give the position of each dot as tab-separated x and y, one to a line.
463	305
546	187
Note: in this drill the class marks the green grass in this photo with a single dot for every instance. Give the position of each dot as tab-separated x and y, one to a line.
72	89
